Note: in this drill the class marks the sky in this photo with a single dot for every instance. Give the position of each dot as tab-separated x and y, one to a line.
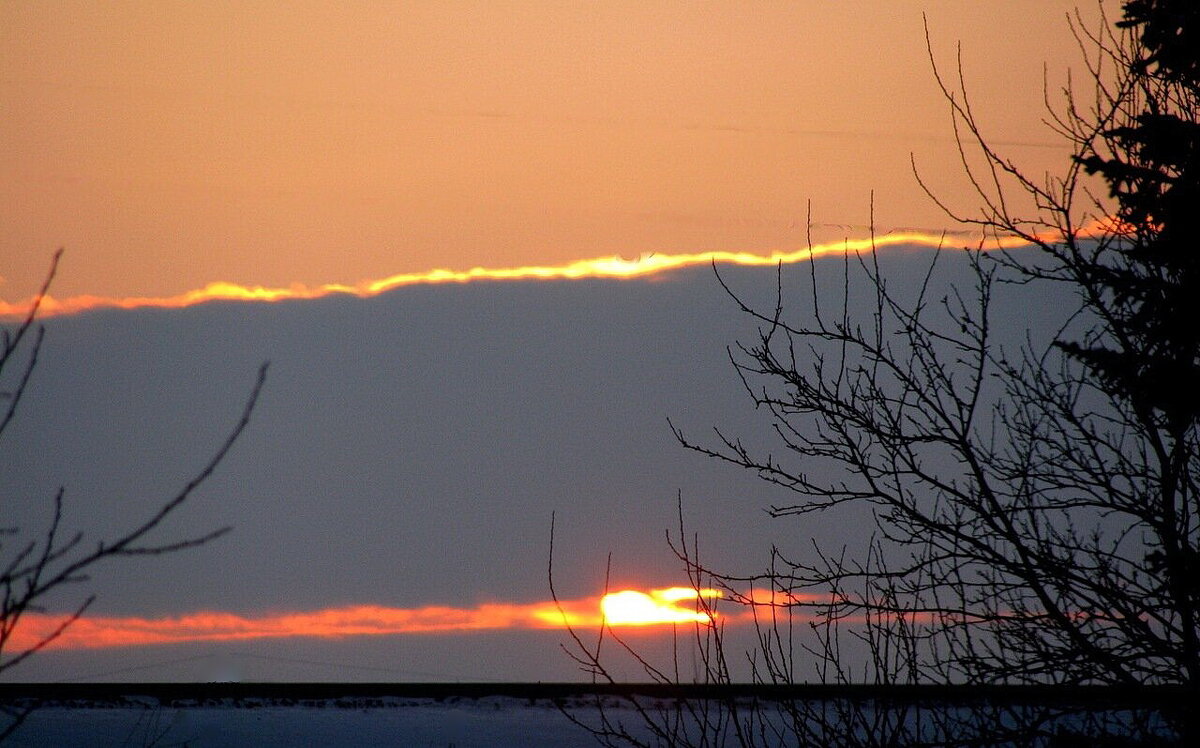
394	491
172	145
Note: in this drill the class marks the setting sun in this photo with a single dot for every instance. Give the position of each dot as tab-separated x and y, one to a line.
633	608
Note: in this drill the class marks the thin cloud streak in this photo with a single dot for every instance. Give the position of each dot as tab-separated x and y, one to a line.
656	608
95	632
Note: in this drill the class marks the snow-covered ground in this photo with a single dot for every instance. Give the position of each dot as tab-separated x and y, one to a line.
490	721
482	719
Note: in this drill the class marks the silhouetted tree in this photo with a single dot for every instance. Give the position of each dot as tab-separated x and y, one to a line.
30	570
1036	507
1106	420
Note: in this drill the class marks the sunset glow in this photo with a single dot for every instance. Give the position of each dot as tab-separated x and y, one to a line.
624	608
633	608
648	265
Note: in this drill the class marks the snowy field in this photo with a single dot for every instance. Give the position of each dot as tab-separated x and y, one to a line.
464	715
490	721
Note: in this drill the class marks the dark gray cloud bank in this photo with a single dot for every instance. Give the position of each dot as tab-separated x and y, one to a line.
408	450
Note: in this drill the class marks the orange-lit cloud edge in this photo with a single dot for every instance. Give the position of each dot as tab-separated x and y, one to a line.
626	608
599	267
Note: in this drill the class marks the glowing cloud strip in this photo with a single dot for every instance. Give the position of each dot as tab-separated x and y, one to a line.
600	267
633	608
624	608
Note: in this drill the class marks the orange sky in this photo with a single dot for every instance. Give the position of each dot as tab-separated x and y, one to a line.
171	145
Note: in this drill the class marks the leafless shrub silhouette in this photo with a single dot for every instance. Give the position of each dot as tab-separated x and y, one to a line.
34	568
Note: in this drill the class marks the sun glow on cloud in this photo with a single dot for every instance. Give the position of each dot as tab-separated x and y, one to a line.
600	267
618	609
633	608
